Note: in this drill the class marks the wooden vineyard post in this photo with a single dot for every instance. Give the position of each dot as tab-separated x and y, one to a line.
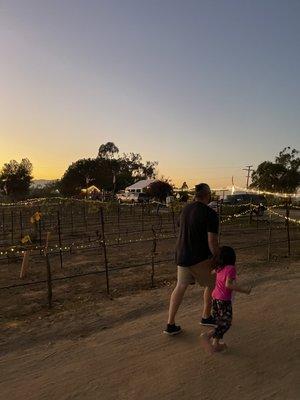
270	236
25	263
3	222
153	252
72	219
83	214
40	227
173	220
142	217
118	222
257	225
48	272
287	224
250	213
104	250
12	227
50	220
85	221
59	239
21	225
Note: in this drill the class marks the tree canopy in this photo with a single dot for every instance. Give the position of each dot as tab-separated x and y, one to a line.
282	175
106	171
159	190
108	150
15	178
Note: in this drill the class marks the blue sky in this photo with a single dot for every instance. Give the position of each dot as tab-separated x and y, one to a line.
204	87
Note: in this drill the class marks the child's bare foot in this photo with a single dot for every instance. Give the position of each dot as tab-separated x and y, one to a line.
219	347
205	337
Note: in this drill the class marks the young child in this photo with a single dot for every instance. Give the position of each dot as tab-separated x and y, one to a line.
222	300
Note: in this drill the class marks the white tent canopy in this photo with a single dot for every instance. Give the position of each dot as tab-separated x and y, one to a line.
139	186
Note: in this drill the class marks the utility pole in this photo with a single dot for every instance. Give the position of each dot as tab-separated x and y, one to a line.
223	192
248	169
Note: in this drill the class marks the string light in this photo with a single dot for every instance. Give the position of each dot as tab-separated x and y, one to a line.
236	215
296	221
74	245
276	194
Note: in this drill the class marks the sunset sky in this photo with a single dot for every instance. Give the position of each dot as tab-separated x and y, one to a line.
203	87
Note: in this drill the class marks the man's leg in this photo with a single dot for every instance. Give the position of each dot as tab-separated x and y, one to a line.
175	301
203	274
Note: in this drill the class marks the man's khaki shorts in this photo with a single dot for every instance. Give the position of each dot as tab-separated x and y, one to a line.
201	273
185	276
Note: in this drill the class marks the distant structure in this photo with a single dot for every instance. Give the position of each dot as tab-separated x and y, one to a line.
140	186
91	191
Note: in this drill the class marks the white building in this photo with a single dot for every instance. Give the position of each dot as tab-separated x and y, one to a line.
140	186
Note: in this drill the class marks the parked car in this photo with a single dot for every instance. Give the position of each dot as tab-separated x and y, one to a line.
245	198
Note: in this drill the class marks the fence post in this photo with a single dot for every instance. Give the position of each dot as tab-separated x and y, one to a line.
85	221
153	252
251	211
257	225
84	217
40	227
118	221
3	222
104	250
12	227
72	219
270	236
59	239
48	272
173	220
287	223
142	217
21	225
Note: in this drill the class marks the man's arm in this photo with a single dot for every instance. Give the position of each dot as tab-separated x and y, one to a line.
213	243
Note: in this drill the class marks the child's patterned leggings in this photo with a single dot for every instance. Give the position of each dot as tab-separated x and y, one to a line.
222	312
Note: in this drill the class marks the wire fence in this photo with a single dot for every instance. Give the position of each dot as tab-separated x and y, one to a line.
43	233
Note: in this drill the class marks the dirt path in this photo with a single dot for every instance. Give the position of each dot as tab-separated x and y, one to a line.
133	360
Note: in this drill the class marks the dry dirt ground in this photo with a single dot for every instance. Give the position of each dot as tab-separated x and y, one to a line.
115	349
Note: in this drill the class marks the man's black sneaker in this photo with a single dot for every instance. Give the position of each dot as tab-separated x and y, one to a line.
172	329
210	321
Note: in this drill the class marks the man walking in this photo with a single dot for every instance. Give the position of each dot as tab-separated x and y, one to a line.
196	247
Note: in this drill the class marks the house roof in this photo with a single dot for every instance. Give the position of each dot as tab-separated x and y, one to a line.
91	189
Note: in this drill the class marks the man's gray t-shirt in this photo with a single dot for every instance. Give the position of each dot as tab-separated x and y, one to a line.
196	220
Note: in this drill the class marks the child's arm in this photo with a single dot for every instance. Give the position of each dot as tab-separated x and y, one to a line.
230	284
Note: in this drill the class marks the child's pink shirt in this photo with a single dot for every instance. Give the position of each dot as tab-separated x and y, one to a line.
221	292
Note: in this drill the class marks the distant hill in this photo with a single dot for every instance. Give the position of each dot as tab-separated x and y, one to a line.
41	182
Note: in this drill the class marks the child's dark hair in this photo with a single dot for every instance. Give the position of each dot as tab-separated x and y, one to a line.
226	257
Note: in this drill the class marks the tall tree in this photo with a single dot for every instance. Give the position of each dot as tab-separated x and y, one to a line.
108	150
283	175
159	190
15	178
106	172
